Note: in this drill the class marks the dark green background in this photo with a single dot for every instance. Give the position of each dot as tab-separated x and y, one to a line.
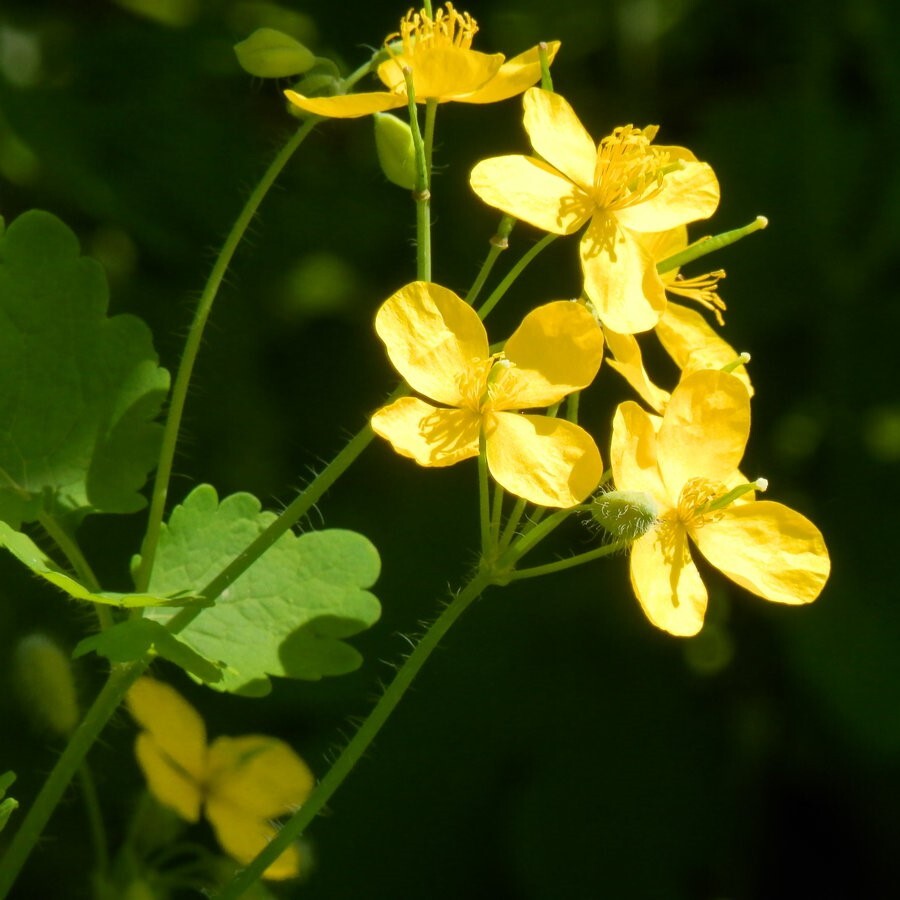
557	746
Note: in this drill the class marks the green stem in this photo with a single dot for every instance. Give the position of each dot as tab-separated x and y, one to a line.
546	78
484	503
499	242
514	273
512	523
69	548
360	742
120	679
496	514
422	193
709	244
95	819
562	564
528	541
192	347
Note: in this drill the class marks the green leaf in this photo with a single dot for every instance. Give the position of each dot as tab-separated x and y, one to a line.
6	779
27	552
269	53
78	389
287	613
128	641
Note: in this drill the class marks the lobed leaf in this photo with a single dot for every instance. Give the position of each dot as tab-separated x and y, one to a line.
78	389
288	613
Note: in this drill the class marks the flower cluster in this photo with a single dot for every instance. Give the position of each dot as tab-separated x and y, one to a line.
633	199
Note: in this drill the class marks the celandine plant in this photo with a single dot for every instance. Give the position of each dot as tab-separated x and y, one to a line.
232	595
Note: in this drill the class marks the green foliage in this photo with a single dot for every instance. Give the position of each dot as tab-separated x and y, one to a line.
27	552
129	641
396	150
78	389
286	615
9	804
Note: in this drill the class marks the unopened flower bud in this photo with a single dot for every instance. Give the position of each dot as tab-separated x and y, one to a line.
43	677
268	53
626	515
396	150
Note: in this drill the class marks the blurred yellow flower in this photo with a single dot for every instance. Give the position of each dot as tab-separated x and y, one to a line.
439	345
687	461
625	187
683	332
444	67
241	783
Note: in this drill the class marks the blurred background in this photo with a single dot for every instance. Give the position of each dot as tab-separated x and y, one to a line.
557	745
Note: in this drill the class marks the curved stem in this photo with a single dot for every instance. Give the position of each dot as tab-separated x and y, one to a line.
422	193
514	273
192	347
360	742
95	819
499	242
562	564
121	678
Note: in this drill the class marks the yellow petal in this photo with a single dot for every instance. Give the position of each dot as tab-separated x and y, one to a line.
664	244
259	774
175	726
432	338
620	278
666	581
441	73
550	462
687	194
558	136
532	191
769	549
629	364
166	780
347	106
694	345
514	76
242	838
633	453
430	436
556	350
704	429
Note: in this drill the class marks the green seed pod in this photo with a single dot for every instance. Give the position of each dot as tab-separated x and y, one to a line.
626	515
396	150
43	677
268	53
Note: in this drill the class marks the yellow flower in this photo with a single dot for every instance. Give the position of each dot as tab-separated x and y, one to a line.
683	332
687	460
438	344
443	65
625	187
241	783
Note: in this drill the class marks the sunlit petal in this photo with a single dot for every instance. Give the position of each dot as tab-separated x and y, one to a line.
432	337
441	73
558	136
243	838
556	350
514	76
767	548
627	361
620	278
347	106
666	581
688	194
550	462
533	191
633	453
704	429
430	436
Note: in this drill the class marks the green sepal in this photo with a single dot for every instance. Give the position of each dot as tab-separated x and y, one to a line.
288	613
129	641
396	150
269	53
29	554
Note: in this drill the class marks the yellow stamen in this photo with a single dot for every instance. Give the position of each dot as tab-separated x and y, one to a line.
628	169
703	289
696	496
448	28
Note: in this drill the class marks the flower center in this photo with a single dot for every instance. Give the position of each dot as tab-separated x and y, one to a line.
483	383
696	495
448	28
628	169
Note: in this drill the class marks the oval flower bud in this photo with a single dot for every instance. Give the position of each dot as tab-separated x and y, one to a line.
268	53
626	515
396	150
45	683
